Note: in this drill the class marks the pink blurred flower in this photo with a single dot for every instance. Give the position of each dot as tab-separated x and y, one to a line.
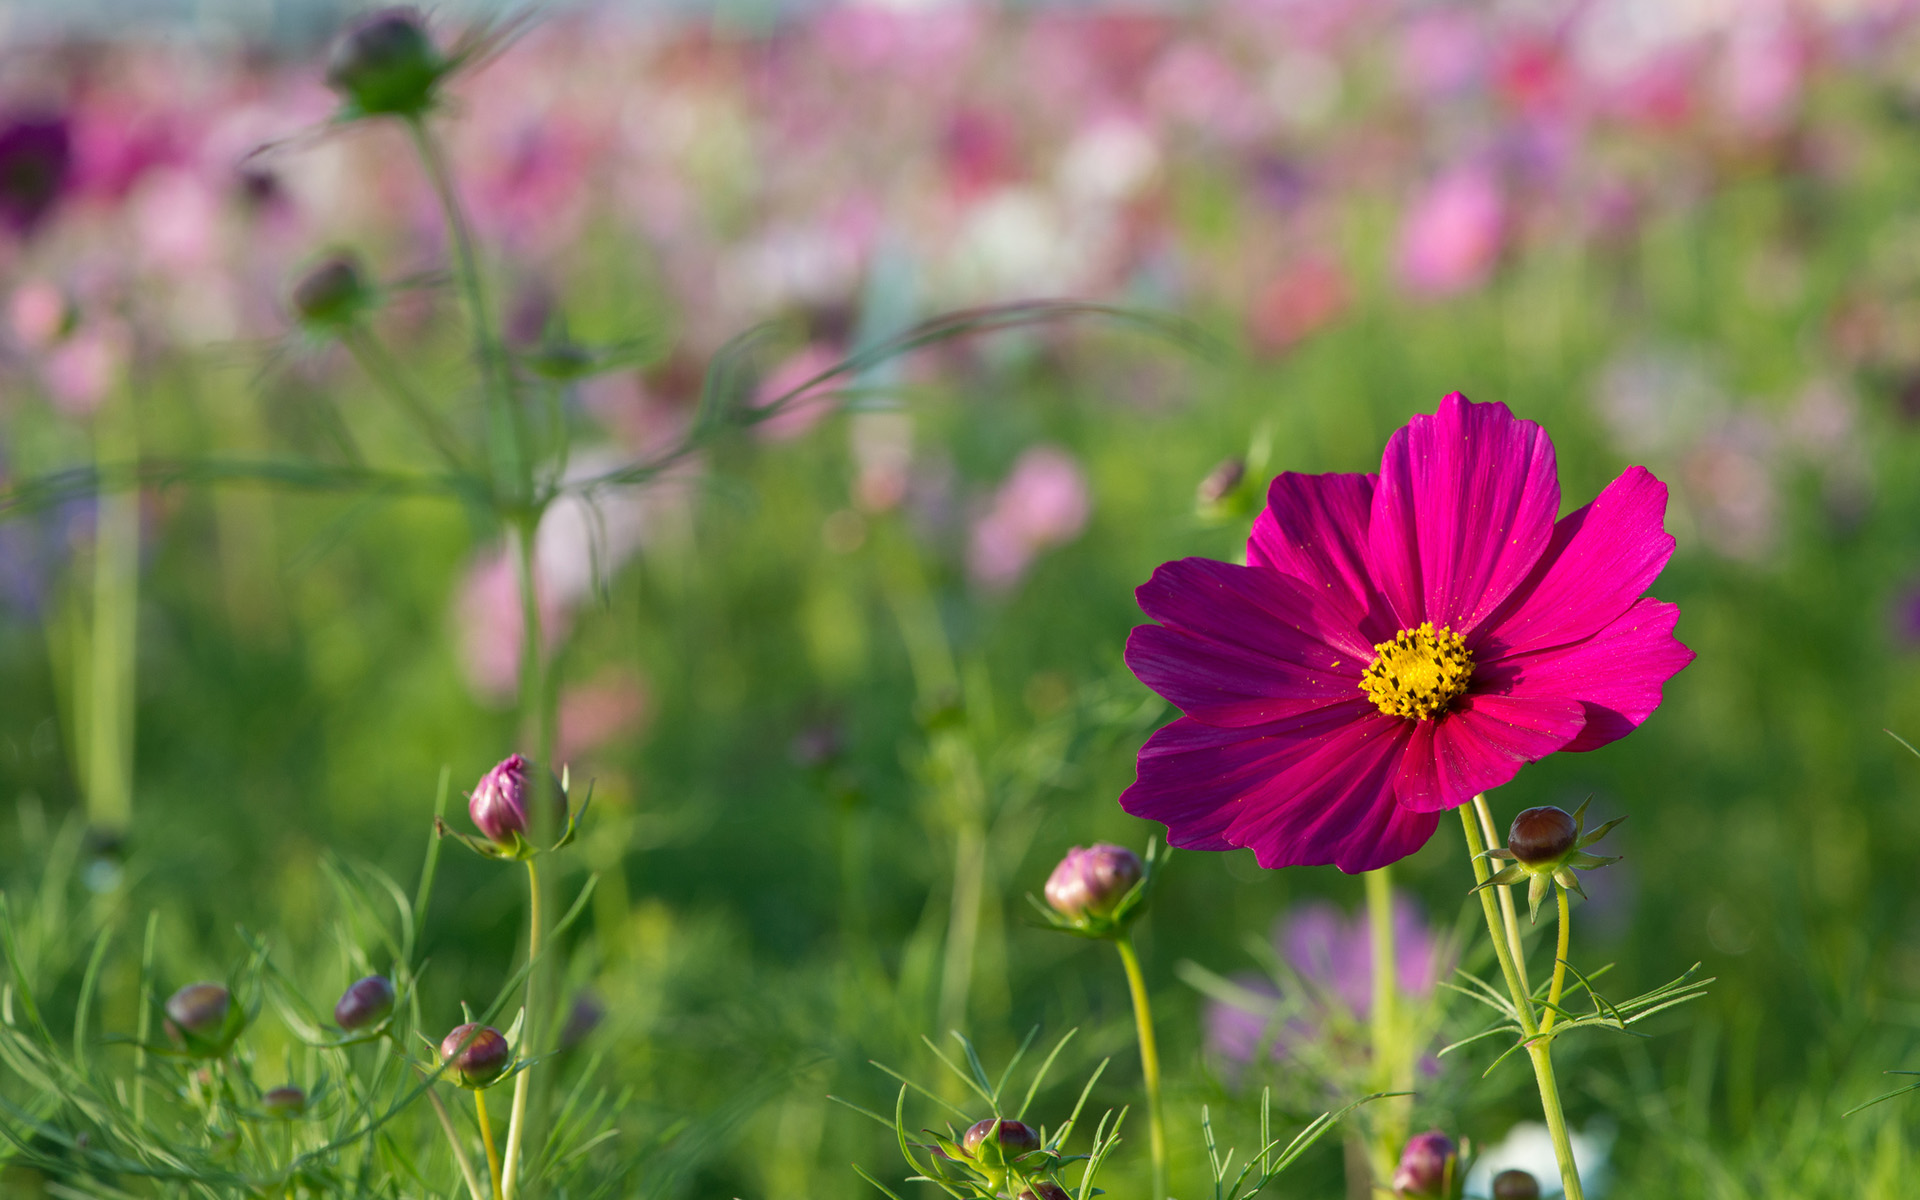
38	313
1761	73
491	627
1451	236
613	705
85	366
1441	53
1043	503
1301	298
805	410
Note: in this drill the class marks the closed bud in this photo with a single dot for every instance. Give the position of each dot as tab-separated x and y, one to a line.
386	64
1542	835
1013	1139
1222	482
203	1019
332	294
500	802
1046	1189
1091	881
285	1103
1429	1167
475	1054
365	1004
1515	1185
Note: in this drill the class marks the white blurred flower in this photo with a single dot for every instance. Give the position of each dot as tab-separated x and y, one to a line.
1528	1147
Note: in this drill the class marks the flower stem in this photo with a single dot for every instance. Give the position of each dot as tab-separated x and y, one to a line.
110	659
517	1123
1559	963
1508	914
385	373
1149	1063
486	1137
1391	1074
453	1143
1539	1047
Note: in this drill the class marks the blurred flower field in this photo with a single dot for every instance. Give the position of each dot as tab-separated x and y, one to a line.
838	376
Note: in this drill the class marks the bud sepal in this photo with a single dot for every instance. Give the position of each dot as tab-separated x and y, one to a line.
1546	846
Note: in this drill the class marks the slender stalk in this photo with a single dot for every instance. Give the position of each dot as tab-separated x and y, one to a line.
1149	1063
486	1137
453	1143
1539	1045
1392	1069
1508	913
111	648
963	924
1542	1055
508	425
1502	948
380	367
517	1123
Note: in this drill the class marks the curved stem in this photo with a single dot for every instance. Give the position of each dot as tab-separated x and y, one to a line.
1149	1063
517	1124
380	367
1559	962
1509	915
1502	948
486	1137
1391	1073
507	424
453	1143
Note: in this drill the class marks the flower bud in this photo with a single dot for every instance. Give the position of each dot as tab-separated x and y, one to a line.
202	1017
1015	1138
332	293
1091	882
1045	1189
1515	1185
1221	482
499	802
484	1056
1542	835
386	63
1428	1167
365	1004
285	1103
36	167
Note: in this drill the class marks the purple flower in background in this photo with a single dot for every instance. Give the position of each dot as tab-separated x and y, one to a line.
1043	503
1451	235
1329	954
36	157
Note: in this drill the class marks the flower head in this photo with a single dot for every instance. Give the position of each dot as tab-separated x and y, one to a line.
1398	643
1092	880
1429	1167
475	1054
385	63
996	1142
332	294
366	1003
1544	846
203	1019
501	803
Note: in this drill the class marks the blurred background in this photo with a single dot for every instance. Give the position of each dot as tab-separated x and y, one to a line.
834	667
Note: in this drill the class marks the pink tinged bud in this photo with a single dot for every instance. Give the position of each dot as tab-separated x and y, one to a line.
202	1018
498	805
1515	1185
386	64
1045	1190
285	1103
475	1054
1542	835
365	1004
1015	1138
1222	481
1091	881
1428	1167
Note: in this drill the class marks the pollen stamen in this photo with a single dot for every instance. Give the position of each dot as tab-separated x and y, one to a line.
1419	673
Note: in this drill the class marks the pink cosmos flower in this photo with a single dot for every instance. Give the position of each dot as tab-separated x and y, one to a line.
1399	642
1451	236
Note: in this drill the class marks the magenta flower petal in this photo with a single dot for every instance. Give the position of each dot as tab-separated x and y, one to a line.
1602	558
1617	675
1314	529
1481	747
1227	685
1463	510
1190	774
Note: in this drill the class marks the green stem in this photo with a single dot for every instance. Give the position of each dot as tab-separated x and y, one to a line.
963	923
508	424
111	648
517	1123
1149	1063
1559	963
1393	1070
1508	914
380	367
486	1139
453	1143
1539	1047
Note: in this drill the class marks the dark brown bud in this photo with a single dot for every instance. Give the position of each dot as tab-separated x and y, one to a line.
1542	835
386	64
284	1102
475	1054
202	1017
1046	1189
332	293
1015	1138
1515	1185
365	1004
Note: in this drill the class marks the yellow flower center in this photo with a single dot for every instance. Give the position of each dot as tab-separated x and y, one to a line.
1419	673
